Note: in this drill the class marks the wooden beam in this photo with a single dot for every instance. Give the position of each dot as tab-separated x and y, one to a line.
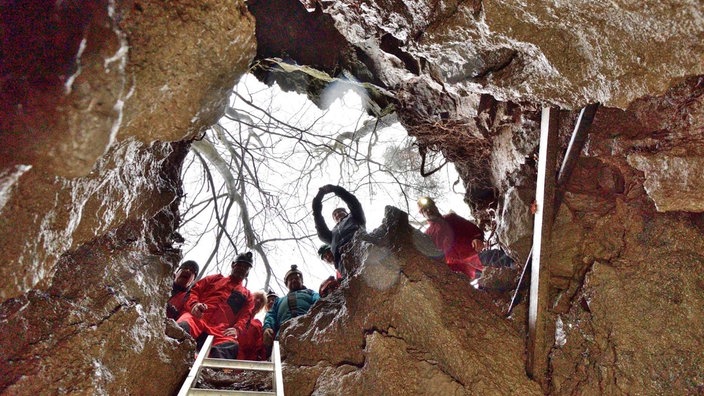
574	149
579	137
538	345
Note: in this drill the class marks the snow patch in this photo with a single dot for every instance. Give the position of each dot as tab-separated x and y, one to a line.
8	179
68	85
560	335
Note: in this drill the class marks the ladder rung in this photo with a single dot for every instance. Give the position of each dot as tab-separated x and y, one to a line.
238	364
201	361
210	392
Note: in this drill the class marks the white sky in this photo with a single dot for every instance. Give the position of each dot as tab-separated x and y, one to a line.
344	114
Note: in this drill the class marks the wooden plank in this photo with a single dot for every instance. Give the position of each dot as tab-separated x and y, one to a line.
538	345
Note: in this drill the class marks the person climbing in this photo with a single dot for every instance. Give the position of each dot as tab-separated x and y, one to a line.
461	241
297	302
217	303
184	277
346	224
251	340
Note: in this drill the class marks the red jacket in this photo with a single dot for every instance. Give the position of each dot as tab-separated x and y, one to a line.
453	235
252	342
176	304
229	304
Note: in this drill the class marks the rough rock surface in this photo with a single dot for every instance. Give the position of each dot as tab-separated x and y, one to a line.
403	324
98	327
92	94
470	79
631	311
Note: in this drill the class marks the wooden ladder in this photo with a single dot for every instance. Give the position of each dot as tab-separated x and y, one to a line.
274	366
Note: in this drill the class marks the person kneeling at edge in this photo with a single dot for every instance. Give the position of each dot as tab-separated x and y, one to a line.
461	241
297	302
220	306
346	224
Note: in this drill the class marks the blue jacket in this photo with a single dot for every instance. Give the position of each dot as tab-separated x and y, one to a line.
281	312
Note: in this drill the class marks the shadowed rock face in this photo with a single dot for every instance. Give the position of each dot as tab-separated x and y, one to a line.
632	252
404	324
99	100
95	100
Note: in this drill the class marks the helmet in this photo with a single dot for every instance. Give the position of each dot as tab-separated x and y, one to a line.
245	258
271	293
191	265
294	270
425	202
323	249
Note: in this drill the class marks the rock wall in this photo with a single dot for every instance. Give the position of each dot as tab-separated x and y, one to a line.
403	324
470	79
628	284
96	99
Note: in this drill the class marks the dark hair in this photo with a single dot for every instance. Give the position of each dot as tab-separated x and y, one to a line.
245	258
190	264
323	249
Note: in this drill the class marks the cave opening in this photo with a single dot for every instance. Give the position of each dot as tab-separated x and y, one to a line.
264	160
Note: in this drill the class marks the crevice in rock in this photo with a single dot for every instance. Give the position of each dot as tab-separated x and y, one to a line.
392	45
497	62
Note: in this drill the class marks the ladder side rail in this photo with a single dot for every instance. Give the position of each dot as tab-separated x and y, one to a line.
278	375
197	365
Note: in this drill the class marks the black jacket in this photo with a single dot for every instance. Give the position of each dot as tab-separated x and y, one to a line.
343	231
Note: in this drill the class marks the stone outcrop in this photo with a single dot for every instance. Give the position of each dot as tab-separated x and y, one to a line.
96	102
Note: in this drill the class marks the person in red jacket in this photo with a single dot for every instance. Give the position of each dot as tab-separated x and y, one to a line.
218	303
458	238
181	289
251	340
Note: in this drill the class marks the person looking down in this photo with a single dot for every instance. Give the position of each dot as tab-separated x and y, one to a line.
460	240
251	345
271	298
297	302
184	278
220	306
326	255
346	223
